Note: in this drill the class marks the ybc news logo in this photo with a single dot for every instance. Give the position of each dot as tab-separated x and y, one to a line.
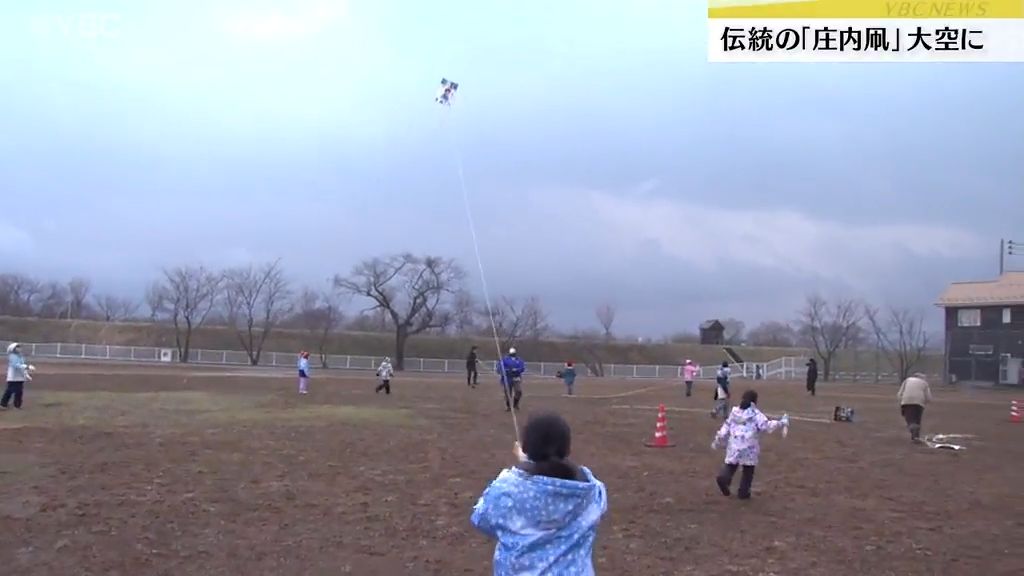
865	31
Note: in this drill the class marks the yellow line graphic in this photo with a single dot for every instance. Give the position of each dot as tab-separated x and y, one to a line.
912	9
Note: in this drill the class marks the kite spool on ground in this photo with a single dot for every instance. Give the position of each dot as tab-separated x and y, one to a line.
842	414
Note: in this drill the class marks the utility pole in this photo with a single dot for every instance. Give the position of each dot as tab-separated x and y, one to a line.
1002	256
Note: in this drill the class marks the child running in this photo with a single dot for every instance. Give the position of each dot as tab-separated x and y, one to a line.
545	511
385	372
742	429
303	372
722	391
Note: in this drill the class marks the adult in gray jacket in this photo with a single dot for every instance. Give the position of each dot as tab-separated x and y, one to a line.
914	394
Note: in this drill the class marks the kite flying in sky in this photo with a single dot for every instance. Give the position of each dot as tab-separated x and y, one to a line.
446	92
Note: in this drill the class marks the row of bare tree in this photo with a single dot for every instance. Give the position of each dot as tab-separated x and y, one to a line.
22	296
899	334
409	295
405	293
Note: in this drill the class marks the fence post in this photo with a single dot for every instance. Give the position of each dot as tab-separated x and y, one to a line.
108	351
348	361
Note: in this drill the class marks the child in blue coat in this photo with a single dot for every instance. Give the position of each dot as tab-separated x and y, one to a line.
568	375
544	512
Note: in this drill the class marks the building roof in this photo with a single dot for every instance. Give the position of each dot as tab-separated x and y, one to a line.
712	325
1007	290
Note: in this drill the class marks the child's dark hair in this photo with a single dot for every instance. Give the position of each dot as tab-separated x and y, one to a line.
547	442
749	397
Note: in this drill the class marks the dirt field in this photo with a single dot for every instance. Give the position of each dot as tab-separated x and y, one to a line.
131	471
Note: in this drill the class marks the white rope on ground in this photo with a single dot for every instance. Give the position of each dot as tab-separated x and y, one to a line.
705	411
483	277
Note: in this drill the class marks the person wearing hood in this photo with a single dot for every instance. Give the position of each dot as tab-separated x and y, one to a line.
914	394
511	371
544	512
690	372
742	430
385	372
812	376
17	374
303	372
722	391
568	375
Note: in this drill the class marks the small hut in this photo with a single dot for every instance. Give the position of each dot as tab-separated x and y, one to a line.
712	332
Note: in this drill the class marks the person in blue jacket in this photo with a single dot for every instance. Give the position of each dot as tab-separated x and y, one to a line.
511	371
544	512
568	375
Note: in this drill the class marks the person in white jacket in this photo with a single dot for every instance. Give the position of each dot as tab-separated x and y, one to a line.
385	372
914	394
17	374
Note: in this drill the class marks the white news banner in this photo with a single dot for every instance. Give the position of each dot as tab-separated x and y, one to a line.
865	40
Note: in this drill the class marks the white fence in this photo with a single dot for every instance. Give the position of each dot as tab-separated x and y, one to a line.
783	368
786	368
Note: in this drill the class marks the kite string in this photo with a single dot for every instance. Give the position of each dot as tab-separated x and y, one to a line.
483	277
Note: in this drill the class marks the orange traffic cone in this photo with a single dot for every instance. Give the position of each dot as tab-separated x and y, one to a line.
660	431
1014	412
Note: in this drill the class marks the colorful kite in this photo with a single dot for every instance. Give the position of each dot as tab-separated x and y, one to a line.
446	92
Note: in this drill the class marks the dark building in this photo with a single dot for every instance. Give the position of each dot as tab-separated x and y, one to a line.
985	330
712	332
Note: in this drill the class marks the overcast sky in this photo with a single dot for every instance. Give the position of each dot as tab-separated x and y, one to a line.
605	158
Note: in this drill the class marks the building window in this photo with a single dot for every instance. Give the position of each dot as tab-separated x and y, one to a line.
968	317
981	349
1007	316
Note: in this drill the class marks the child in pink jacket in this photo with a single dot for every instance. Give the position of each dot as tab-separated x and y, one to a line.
742	430
690	371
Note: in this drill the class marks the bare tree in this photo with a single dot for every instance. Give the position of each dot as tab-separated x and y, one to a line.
256	300
54	301
772	333
320	314
684	338
830	327
464	314
734	330
606	317
589	348
414	291
190	293
519	320
115	308
900	335
18	295
156	300
78	297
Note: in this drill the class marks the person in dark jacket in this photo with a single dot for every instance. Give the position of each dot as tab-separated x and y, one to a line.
472	361
812	375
